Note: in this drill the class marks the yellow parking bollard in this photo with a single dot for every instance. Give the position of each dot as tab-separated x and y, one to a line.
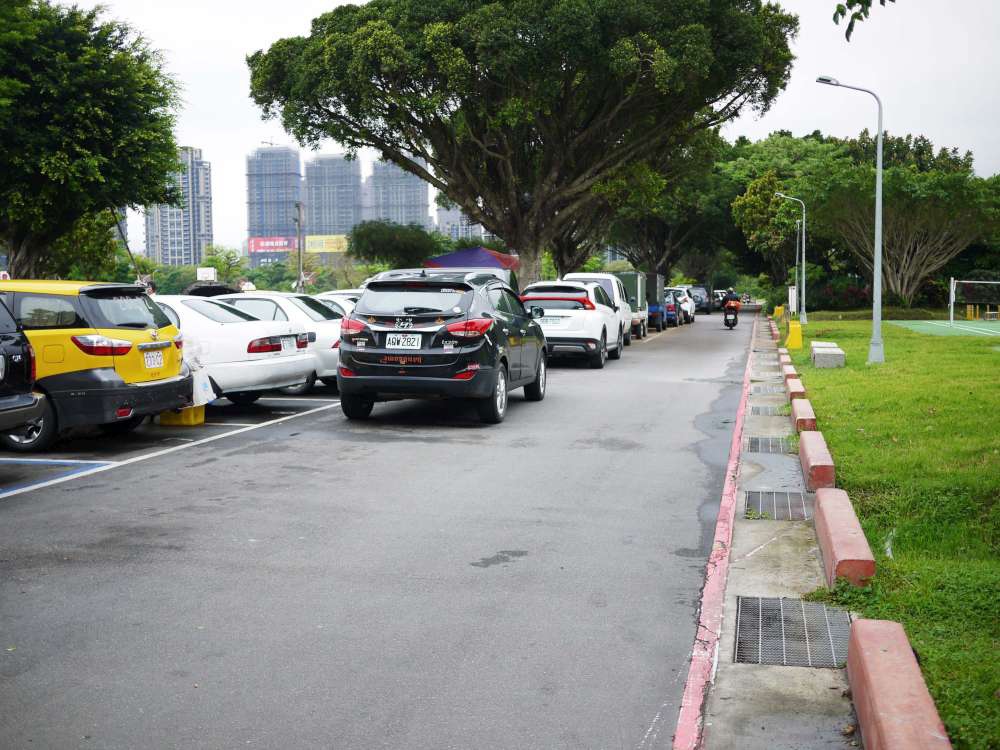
190	417
779	311
794	338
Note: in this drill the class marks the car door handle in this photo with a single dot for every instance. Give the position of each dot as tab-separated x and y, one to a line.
523	331
506	330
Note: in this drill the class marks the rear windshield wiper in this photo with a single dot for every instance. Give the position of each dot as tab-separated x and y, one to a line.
415	310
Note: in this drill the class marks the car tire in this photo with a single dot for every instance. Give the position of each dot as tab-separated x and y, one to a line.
598	358
493	408
659	325
123	427
41	435
628	336
617	353
302	388
357	407
535	390
243	398
645	329
329	382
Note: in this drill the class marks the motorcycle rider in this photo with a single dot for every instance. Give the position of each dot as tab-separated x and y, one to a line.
731	302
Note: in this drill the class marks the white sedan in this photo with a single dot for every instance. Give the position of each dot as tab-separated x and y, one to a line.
579	318
320	321
242	356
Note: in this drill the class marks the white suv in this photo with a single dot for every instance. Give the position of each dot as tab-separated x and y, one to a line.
579	318
612	286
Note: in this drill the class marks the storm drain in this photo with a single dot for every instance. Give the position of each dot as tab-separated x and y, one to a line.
765	411
767	445
777	506
790	632
765	389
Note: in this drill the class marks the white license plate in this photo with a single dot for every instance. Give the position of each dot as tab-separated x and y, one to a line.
287	344
402	341
550	321
153	359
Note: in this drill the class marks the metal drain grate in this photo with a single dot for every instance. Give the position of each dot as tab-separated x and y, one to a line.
791	633
767	445
765	411
777	506
768	389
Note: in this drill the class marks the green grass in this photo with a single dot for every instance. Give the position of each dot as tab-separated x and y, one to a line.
916	442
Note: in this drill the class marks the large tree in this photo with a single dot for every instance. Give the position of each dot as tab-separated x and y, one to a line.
515	110
854	11
399	245
86	119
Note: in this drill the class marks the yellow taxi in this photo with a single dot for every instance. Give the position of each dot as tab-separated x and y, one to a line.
105	354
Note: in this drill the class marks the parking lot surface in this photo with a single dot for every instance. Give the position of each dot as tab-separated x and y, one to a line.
282	577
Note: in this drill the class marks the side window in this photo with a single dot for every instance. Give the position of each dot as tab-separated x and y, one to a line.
37	311
513	304
169	312
602	297
496	299
264	309
621	291
7	323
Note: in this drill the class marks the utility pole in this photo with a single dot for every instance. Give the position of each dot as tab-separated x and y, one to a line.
300	231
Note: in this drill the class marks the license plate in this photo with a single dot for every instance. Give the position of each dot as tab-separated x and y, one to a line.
287	344
550	321
402	341
153	359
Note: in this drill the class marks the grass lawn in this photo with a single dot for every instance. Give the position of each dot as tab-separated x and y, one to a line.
916	443
888	313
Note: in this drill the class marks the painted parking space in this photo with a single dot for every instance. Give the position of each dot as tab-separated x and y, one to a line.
25	473
988	328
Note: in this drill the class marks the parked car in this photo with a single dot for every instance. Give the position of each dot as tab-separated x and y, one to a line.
505	275
20	404
242	356
578	319
351	295
107	356
340	305
673	313
702	299
655	301
684	300
458	335
718	297
613	287
322	324
635	289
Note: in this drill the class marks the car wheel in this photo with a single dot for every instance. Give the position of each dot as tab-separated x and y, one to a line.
617	353
628	337
301	388
39	435
243	398
535	391
493	408
329	382
121	428
598	358
357	407
659	325
645	329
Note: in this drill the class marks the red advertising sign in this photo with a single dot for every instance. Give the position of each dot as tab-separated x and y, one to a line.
271	244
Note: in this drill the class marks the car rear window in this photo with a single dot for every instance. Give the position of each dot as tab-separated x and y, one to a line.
218	312
555	304
392	299
315	309
7	322
124	310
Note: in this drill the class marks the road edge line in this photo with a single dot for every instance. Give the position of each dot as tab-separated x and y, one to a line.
706	643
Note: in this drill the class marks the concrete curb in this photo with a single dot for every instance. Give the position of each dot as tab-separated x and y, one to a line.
817	463
784	359
895	709
842	542
803	416
795	389
789	373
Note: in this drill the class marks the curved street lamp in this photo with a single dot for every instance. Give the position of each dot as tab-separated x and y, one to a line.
876	352
802	295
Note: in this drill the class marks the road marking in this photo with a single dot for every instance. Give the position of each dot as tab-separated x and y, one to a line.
304	398
230	424
78	468
983	331
87	471
55	461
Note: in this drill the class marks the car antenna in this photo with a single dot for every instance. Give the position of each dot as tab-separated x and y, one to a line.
423	273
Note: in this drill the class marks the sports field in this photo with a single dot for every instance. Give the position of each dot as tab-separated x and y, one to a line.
958	328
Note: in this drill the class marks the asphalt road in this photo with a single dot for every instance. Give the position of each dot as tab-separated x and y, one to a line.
416	581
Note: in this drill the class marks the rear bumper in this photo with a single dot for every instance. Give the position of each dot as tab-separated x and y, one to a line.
91	397
19	409
556	345
262	374
326	361
480	386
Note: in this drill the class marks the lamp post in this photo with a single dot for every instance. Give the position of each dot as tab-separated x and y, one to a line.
802	294
798	236
300	241
876	353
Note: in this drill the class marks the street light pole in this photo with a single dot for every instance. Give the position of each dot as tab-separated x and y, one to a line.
299	286
802	295
798	242
876	352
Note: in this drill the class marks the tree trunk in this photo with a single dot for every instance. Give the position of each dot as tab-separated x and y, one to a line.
531	265
21	258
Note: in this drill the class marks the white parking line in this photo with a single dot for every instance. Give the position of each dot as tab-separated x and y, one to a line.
48	461
982	331
163	452
304	398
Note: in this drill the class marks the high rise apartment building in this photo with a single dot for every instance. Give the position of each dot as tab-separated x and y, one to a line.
455	225
332	195
274	186
179	235
398	196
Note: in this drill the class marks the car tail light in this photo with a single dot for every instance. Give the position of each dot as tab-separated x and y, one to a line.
179	340
470	329
123	412
302	341
671	307
264	346
336	344
346	372
352	327
464	375
102	346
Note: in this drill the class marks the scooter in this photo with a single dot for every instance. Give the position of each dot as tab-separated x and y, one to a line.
729	318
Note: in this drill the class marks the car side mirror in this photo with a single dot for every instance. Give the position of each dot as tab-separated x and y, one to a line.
537	312
631	300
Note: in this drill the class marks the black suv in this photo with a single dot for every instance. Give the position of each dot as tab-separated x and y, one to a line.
702	299
460	335
19	406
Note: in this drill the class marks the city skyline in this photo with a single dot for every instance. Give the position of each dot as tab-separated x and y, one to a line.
179	235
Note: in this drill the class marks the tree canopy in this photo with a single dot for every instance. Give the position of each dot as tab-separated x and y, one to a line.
87	116
516	110
400	246
854	11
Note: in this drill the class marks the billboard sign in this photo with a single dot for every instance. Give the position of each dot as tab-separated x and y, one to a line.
326	243
271	244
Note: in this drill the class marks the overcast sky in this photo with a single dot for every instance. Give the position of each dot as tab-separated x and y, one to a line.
934	65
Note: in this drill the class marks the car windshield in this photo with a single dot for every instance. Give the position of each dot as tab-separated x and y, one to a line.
218	312
126	310
315	309
607	284
392	299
